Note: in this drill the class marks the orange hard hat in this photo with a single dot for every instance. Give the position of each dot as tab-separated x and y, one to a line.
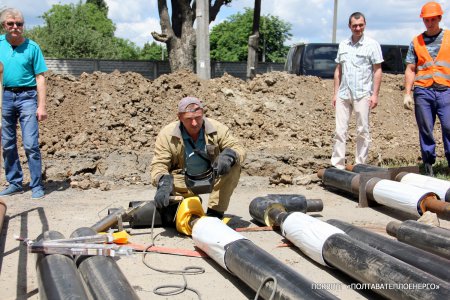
431	9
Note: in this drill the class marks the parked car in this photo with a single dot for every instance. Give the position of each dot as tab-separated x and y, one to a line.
317	59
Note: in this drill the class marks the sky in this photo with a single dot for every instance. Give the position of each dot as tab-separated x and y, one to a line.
388	21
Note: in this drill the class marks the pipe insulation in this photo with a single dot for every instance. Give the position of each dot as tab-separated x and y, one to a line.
57	275
251	264
309	234
360	261
385	274
212	236
397	195
438	186
429	238
102	275
341	179
361	168
423	260
296	202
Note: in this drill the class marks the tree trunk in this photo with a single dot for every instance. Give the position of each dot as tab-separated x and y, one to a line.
178	31
182	52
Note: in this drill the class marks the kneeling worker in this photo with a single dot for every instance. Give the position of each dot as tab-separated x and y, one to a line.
190	153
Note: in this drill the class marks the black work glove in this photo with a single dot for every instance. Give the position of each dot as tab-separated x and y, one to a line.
165	188
226	159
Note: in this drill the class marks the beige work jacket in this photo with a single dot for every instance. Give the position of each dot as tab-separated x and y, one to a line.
169	147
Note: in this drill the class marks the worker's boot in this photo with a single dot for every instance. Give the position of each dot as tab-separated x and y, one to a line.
428	169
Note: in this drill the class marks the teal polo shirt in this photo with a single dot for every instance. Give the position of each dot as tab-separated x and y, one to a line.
194	163
21	64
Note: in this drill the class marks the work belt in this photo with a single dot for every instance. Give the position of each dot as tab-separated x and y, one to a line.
20	89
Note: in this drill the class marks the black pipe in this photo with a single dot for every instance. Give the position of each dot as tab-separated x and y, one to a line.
426	261
342	180
57	275
429	238
253	265
284	202
395	279
259	207
366	264
296	202
142	218
102	275
360	168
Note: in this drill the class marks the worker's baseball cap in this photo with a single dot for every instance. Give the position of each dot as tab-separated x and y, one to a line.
186	101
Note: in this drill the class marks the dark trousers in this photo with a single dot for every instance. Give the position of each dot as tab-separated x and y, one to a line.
428	104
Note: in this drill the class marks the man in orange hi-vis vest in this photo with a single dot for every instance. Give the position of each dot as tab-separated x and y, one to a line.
427	75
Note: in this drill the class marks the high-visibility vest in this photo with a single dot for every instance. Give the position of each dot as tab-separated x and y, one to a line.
429	71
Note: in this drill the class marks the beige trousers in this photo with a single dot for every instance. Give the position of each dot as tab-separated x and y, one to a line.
344	110
222	191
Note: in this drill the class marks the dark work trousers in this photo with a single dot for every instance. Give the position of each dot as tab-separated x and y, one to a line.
428	104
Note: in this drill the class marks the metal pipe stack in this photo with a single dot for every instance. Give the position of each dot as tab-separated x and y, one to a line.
330	246
438	186
423	260
254	266
57	275
402	196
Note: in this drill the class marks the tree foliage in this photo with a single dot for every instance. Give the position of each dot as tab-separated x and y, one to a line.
229	39
101	4
153	51
80	31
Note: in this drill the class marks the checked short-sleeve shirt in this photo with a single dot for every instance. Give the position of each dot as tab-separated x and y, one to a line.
357	62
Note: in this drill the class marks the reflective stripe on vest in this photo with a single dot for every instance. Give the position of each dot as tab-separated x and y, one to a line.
431	71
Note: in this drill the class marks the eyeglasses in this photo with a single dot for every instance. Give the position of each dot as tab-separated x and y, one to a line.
11	24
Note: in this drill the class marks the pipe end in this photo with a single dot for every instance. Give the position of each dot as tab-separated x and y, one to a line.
392	228
314	205
320	173
400	176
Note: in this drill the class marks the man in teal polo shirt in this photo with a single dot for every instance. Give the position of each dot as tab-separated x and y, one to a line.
187	151
24	98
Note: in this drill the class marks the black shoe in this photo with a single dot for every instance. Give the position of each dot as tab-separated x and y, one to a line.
214	213
428	169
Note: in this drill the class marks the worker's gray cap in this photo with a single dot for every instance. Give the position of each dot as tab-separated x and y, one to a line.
186	101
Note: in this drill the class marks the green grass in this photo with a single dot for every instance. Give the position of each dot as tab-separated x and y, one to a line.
440	169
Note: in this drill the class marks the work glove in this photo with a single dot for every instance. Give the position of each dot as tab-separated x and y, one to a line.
165	188
226	159
408	102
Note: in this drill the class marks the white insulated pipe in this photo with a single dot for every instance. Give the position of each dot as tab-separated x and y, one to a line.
212	235
438	186
308	234
399	195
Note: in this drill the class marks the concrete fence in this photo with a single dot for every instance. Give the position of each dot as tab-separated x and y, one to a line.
150	69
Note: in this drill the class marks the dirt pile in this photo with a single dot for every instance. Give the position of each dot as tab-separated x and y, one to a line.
102	127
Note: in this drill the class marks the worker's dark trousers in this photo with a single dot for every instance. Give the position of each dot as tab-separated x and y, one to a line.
428	104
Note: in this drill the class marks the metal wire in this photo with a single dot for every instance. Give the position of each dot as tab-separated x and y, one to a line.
267	279
171	289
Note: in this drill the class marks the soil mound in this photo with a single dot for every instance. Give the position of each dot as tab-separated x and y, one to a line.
102	127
